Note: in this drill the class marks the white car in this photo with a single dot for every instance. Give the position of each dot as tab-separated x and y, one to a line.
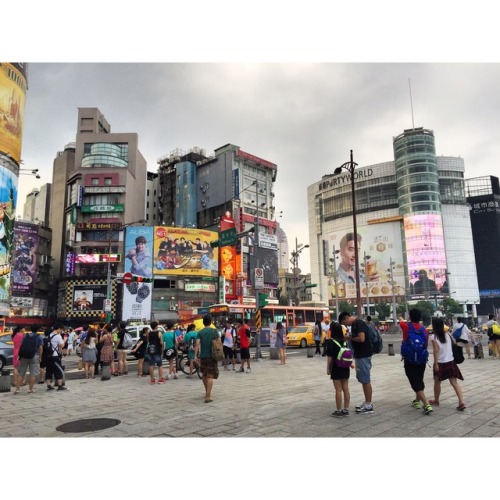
135	332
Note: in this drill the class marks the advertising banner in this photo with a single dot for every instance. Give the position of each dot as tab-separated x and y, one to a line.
378	246
8	195
228	255
137	301
184	251
24	259
12	102
425	255
138	255
89	297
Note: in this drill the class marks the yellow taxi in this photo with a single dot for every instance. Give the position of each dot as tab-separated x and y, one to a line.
303	336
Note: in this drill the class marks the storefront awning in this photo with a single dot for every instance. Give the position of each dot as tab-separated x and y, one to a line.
162	316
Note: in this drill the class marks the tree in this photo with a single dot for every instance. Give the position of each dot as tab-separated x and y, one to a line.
344	306
451	306
383	310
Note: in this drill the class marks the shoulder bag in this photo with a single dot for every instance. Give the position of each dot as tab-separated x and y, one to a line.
217	351
458	352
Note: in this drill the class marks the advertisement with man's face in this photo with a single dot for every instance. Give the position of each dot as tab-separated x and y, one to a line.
24	258
138	253
379	246
184	251
425	255
89	297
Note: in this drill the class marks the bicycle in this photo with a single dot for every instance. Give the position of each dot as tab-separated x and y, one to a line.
183	361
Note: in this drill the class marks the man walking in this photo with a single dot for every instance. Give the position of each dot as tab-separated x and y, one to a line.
362	357
244	335
228	345
461	334
203	354
54	367
30	353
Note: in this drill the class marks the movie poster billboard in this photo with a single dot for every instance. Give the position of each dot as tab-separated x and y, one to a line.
24	263
184	251
8	196
138	255
379	246
228	257
89	297
425	255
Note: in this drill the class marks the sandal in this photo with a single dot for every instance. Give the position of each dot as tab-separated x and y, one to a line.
461	407
433	402
32	391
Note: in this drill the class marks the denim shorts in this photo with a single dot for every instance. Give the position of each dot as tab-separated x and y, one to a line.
363	368
154	359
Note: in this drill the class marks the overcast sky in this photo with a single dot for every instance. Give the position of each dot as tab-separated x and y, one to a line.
303	117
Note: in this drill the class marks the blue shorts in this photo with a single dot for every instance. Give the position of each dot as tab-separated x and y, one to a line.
154	359
363	368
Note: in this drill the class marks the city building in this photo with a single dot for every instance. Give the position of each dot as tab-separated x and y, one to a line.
414	233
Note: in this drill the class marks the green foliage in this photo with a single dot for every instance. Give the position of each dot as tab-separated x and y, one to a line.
451	306
427	309
344	306
383	310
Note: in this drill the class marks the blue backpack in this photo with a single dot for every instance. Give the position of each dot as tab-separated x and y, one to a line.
414	348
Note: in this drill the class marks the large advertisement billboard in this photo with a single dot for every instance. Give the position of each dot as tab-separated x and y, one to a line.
379	250
24	259
184	251
139	251
137	302
89	297
8	195
12	101
425	255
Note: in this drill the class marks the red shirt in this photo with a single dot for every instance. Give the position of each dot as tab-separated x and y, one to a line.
404	326
243	334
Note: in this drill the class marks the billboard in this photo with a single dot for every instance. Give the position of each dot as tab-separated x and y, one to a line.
184	251
12	101
89	297
425	255
8	196
137	301
25	249
139	251
379	245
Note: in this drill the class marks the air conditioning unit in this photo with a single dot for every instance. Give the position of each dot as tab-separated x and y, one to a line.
173	308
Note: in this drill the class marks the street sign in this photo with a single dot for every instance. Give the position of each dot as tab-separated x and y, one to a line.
127	278
107	305
228	238
259	278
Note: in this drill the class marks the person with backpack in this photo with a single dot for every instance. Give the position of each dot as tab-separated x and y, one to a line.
317	337
190	341
461	334
414	351
444	364
29	354
121	350
363	357
339	368
154	353
170	345
54	344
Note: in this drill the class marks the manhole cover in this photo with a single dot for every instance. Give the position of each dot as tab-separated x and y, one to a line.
88	425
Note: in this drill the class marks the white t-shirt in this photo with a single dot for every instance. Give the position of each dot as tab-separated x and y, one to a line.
228	337
464	335
445	354
56	340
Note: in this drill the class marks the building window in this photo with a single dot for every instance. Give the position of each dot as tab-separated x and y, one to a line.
108	181
95	181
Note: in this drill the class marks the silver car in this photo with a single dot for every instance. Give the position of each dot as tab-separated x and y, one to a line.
6	355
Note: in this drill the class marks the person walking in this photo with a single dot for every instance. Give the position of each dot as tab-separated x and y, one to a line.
462	334
444	366
54	367
339	375
17	337
362	357
280	341
317	337
415	355
493	329
139	350
120	350
228	346
325	332
208	366
29	357
190	342
155	353
244	335
170	350
89	353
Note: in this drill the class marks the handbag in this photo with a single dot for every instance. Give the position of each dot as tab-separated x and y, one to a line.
217	350
458	352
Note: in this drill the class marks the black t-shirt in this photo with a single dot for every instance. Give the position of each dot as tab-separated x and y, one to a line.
142	347
121	334
154	338
360	349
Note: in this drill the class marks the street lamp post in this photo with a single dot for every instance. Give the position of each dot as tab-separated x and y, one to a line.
350	166
295	261
334	275
367	288
394	310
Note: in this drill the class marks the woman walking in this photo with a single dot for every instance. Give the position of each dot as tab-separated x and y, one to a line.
444	365
339	375
280	341
89	353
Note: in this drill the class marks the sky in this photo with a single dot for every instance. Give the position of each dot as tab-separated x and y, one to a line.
298	84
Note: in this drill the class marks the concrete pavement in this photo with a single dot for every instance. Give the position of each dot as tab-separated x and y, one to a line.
293	400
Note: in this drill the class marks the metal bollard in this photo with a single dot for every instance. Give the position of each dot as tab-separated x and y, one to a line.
5	381
145	367
105	372
390	349
310	352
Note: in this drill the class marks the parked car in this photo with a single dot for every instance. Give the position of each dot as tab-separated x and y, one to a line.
302	336
6	338
6	355
135	332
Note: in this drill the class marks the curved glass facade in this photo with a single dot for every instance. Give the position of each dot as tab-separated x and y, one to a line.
105	155
416	172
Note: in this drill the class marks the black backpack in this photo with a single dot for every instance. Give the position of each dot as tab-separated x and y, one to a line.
28	346
47	351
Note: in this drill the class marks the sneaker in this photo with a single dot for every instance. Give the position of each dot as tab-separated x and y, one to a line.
161	381
242	369
62	388
249	370
345	412
358	407
428	409
50	388
153	381
416	404
175	375
234	369
337	413
366	408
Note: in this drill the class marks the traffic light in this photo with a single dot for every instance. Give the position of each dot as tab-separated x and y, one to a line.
142	279
263	300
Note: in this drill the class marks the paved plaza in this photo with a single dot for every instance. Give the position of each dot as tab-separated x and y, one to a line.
293	400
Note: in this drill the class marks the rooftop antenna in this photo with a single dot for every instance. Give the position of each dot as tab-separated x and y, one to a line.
411	104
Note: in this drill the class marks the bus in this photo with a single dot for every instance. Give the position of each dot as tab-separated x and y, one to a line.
289	315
